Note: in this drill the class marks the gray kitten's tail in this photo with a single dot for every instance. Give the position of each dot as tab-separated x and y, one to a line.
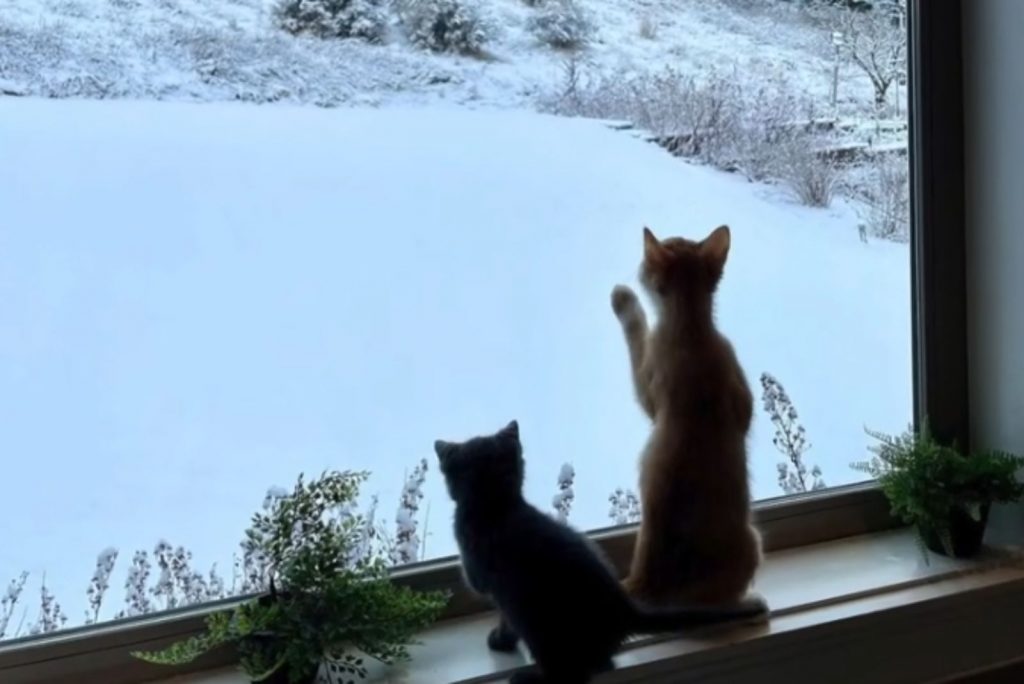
656	620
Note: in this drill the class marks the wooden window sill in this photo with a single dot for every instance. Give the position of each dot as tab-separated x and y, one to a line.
862	609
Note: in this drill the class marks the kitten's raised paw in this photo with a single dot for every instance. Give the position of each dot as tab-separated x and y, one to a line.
629	311
501	640
624	302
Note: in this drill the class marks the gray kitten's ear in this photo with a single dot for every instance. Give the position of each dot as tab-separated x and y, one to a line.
511	430
443	449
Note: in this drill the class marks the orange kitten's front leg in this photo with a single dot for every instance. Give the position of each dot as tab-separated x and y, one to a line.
631	316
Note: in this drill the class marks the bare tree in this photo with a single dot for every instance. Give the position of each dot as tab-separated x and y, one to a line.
875	41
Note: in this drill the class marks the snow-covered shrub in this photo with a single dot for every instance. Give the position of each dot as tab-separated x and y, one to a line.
366	19
770	117
51	615
701	117
625	507
33	52
9	600
562	501
444	25
100	583
368	538
562	24
719	117
136	596
710	115
809	172
648	27
407	538
790	439
73	9
178	584
267	67
207	52
886	194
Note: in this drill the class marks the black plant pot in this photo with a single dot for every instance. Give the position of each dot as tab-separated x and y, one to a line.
269	640
965	534
281	677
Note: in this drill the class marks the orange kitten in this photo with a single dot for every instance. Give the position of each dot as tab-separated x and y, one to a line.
696	541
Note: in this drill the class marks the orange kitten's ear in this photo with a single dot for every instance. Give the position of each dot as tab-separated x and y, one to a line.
650	241
716	245
654	252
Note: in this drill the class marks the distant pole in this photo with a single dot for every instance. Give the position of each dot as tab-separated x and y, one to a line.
837	42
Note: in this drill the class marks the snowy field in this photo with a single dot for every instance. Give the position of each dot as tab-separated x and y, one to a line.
201	301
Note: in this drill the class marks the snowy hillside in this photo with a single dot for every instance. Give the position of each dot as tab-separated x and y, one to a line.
232	49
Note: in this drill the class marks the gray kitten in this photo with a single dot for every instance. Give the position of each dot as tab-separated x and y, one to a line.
553	588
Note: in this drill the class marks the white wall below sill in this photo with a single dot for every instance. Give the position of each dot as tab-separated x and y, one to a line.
863	610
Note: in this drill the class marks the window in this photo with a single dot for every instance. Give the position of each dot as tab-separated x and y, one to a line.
236	248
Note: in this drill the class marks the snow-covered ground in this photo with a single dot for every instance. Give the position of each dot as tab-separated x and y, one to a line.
201	301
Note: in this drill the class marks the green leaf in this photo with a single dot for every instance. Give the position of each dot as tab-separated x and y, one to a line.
182	652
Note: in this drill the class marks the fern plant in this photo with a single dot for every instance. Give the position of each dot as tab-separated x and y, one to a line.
941	491
330	601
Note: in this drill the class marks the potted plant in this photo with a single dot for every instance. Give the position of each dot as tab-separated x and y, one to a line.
330	601
944	493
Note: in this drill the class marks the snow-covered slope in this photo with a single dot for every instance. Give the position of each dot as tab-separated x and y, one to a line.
231	49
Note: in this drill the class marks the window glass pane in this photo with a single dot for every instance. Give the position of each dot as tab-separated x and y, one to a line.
235	247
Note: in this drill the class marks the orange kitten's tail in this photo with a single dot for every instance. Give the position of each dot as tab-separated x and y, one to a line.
656	620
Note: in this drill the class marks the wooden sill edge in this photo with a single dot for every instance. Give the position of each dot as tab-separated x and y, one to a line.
952	601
